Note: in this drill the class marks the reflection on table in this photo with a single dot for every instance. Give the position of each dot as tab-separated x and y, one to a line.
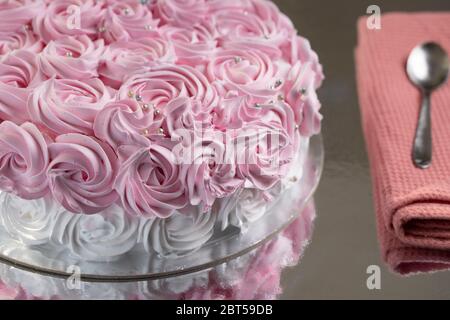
255	275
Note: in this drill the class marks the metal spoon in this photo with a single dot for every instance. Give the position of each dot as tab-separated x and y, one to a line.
427	68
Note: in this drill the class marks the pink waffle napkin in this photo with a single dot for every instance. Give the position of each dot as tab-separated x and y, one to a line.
412	205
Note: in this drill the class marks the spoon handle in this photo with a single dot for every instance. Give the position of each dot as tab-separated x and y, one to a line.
422	142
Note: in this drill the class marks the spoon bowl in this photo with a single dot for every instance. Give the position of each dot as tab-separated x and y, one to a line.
427	67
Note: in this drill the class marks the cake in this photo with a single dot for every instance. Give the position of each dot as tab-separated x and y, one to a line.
148	125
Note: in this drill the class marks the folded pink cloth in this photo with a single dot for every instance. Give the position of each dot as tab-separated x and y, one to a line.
412	205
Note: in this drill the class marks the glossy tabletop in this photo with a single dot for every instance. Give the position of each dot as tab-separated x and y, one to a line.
345	242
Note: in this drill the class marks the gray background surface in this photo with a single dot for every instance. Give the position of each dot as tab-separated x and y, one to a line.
344	242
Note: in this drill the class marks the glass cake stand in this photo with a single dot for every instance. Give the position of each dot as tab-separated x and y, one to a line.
135	266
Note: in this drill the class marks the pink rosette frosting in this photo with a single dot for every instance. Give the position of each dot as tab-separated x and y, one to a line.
254	25
181	13
161	84
19	73
238	112
23	160
68	106
67	18
123	58
248	72
149	182
125	20
81	173
209	174
15	14
226	115
263	154
220	5
264	143
157	105
277	115
181	129
22	39
194	45
301	95
124	123
72	57
179	120
298	49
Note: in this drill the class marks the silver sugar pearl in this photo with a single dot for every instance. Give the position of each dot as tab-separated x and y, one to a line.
69	54
161	131
145	132
303	91
138	98
280	97
157	112
144	2
130	94
278	83
126	11
101	29
145	106
148	27
237	59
